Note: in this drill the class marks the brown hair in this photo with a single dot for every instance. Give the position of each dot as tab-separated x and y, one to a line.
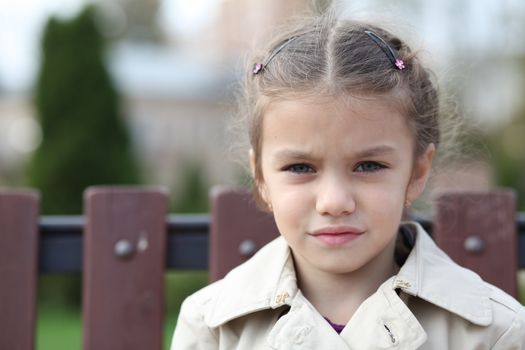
331	57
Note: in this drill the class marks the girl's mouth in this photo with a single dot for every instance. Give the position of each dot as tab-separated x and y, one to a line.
337	236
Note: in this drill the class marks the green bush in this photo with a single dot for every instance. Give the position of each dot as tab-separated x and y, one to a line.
193	197
507	147
85	141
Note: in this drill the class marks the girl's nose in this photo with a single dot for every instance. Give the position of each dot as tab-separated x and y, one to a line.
334	198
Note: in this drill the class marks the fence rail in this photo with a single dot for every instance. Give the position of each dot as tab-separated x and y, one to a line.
126	241
60	248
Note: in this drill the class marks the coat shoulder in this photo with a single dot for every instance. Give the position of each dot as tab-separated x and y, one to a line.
191	331
200	302
245	289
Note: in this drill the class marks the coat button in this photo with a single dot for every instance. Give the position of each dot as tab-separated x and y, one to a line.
280	299
300	334
403	284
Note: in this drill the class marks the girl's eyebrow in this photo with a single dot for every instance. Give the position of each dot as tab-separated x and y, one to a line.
376	151
291	154
287	154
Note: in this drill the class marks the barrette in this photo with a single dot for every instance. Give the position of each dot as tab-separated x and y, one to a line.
392	56
258	67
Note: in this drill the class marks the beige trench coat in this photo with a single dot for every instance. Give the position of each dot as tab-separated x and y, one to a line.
438	305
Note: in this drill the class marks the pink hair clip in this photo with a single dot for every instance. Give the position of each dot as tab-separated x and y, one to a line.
257	68
389	52
400	64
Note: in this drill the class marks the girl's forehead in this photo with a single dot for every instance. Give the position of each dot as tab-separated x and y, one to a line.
371	107
320	135
318	120
333	129
391	103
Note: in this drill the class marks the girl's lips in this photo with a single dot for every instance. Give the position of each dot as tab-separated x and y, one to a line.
336	236
335	230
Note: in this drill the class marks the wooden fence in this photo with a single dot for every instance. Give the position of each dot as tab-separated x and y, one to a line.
126	240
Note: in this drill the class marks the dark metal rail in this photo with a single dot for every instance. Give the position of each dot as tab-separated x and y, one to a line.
60	247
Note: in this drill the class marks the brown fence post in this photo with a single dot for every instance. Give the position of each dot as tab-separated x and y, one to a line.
238	229
478	231
124	259
18	268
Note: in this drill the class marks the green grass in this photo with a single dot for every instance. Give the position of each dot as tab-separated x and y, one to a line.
59	319
58	327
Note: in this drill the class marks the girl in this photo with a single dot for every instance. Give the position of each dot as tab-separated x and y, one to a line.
343	126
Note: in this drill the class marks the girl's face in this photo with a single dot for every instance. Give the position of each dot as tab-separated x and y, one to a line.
336	177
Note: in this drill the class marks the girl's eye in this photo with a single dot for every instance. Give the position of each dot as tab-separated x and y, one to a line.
299	168
369	167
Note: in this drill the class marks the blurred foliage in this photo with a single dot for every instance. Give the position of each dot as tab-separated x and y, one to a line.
61	290
193	196
507	146
85	141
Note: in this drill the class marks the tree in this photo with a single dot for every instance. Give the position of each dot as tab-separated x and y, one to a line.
85	141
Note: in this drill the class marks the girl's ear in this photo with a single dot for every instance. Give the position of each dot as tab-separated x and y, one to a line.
252	162
420	173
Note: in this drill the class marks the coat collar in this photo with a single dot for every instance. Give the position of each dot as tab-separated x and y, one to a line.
428	273
268	280
382	321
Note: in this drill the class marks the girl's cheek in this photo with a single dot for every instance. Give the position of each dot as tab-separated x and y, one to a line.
381	199
291	197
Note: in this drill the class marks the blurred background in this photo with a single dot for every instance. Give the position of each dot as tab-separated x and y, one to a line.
141	92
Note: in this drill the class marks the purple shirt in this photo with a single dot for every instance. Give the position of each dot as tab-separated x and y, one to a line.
337	327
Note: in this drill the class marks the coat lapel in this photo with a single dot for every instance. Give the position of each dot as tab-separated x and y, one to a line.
266	281
303	328
430	274
383	321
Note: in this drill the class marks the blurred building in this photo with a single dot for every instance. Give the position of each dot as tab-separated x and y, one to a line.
243	22
178	90
180	96
19	135
177	95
